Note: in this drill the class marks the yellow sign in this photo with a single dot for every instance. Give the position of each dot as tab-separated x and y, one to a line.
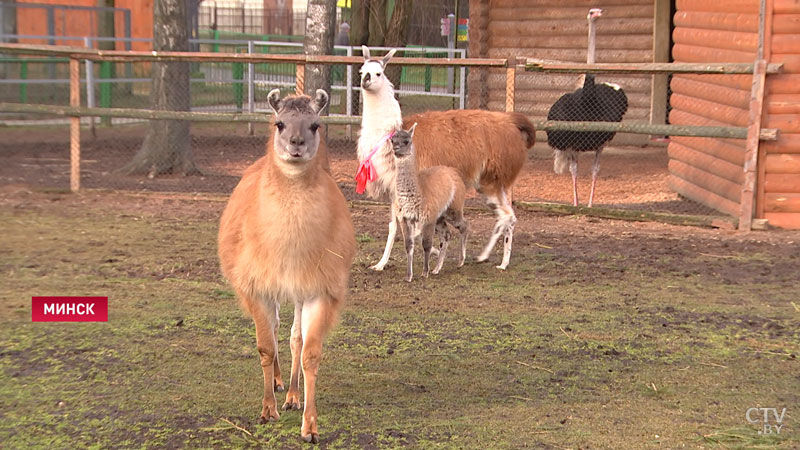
343	4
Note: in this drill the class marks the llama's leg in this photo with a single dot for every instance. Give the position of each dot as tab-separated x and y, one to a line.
277	368
573	169
444	238
508	233
595	171
317	317
427	244
264	318
296	344
408	238
463	227
389	243
500	203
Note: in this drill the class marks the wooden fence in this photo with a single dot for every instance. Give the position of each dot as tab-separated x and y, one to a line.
753	133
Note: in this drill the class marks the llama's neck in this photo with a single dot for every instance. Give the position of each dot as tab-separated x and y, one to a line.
407	191
381	110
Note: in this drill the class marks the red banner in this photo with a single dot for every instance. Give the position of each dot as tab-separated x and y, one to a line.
69	309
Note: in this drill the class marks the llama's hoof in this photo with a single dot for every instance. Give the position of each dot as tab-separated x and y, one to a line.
291	404
312	438
501	267
272	417
377	267
435	271
278	386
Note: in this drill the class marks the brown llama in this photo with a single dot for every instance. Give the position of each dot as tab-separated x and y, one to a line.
425	203
286	235
486	148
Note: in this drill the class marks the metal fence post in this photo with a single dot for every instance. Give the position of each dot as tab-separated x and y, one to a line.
74	126
462	88
105	89
251	93
23	87
451	44
90	100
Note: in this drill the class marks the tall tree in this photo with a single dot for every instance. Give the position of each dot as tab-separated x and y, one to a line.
318	40
167	145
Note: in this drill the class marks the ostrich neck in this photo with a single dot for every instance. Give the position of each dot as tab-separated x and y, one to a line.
591	50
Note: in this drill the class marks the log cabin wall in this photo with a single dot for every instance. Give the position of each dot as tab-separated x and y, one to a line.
557	30
778	187
710	171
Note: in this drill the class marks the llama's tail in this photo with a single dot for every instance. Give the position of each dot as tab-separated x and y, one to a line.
561	160
525	127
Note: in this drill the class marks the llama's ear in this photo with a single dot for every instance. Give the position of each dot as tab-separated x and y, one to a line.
365	52
411	130
388	56
274	100
320	101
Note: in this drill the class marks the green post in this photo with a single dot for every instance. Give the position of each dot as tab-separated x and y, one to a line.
215	47
238	87
23	88
105	89
428	74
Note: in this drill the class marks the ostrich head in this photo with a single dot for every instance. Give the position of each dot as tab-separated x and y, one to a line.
372	77
594	13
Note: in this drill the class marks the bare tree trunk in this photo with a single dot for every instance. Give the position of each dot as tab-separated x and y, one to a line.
320	28
167	145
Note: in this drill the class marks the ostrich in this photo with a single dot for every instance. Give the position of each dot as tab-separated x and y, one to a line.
603	102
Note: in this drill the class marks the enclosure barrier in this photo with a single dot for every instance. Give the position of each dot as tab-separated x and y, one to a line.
753	133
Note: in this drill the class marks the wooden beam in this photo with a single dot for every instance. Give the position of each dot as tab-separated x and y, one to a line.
761	167
534	65
75	126
511	79
661	49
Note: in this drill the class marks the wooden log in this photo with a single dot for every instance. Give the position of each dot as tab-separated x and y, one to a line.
740	82
787	123
783	103
785	24
791	62
513	4
782	203
697	53
626	214
578	13
781	183
786	143
787	221
716	21
731	6
717	148
75	126
534	65
608	56
715	111
703	196
786	7
706	162
724	95
706	180
784	84
783	163
729	40
575	42
786	43
631	26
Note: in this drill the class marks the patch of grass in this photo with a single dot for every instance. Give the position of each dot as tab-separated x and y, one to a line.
550	353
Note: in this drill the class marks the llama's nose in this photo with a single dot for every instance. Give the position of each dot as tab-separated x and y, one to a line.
365	81
297	140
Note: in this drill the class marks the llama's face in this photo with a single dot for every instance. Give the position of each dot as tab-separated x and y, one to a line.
401	144
296	125
372	77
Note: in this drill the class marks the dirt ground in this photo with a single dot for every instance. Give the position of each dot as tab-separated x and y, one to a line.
601	334
630	177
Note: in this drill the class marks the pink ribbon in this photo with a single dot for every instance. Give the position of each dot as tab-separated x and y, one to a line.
366	171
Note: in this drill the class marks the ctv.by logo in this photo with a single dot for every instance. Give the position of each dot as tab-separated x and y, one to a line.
763	415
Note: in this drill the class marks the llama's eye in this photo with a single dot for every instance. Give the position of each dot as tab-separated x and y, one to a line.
378	74
314	127
280	126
